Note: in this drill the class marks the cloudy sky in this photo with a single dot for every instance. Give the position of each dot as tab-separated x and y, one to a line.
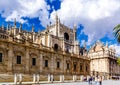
95	19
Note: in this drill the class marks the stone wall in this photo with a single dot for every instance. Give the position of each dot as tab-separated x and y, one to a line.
10	50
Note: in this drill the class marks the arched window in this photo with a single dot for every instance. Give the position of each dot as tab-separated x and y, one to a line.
55	47
46	63
75	67
68	66
58	64
66	36
18	61
33	61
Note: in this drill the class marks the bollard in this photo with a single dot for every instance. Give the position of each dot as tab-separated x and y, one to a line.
34	78
61	78
81	77
74	77
52	78
49	78
15	78
38	78
88	77
20	78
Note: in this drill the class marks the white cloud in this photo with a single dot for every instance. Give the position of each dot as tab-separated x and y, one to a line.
25	8
97	16
117	48
15	15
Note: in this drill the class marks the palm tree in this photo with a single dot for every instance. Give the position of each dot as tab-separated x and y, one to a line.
118	61
116	31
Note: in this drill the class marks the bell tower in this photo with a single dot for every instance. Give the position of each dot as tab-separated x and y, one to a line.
57	24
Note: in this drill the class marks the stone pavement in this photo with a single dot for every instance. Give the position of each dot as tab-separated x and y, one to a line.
106	82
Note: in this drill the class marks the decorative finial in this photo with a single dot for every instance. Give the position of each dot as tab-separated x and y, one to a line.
2	26
15	22
56	15
98	41
75	26
33	28
84	44
20	28
56	18
106	44
59	21
8	25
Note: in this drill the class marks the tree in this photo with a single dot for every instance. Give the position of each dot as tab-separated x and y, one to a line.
118	60
116	32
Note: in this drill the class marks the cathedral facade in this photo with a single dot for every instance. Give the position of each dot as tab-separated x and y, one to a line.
52	51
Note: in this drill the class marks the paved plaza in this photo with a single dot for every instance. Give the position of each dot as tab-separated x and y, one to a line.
106	82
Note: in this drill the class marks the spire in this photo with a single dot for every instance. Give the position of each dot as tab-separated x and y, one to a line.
56	18
20	28
84	44
8	25
75	27
98	41
56	24
2	26
15	22
27	36
59	21
74	30
33	28
106	44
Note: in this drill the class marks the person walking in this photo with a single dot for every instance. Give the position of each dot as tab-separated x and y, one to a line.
90	80
96	80
100	80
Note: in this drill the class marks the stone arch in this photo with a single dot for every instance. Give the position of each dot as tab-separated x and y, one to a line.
56	47
66	36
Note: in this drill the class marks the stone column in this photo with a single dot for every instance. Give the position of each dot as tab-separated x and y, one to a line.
10	58
52	63
15	78
41	62
49	40
27	60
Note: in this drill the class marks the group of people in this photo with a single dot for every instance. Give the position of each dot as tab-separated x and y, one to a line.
97	80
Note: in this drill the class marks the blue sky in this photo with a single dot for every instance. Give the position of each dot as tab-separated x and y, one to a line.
95	19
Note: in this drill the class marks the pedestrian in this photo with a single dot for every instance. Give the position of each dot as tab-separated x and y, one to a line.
90	80
100	80
96	80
